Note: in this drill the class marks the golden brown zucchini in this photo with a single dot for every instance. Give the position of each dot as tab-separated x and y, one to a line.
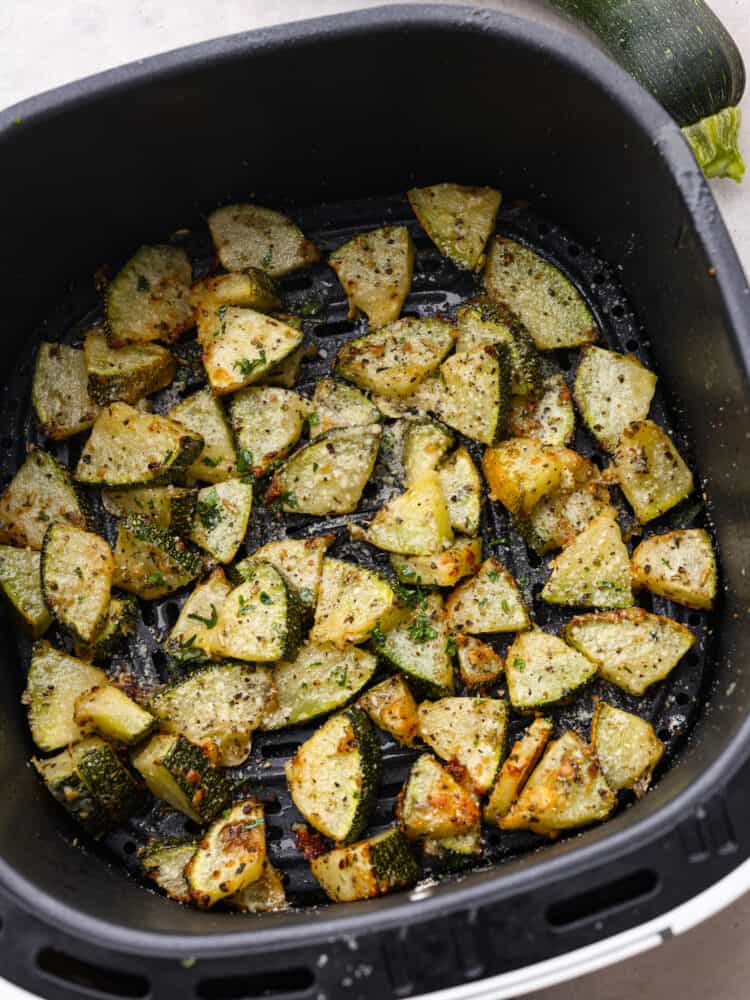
375	269
679	565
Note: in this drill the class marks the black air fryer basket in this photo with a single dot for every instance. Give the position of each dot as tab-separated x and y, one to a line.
329	118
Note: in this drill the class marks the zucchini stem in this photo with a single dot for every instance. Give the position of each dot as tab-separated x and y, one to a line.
714	142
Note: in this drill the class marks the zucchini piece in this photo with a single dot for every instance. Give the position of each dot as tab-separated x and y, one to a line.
253	290
217	708
559	517
474	393
335	404
371	868
352	602
321	679
286	372
459	219
548	416
392	707
151	562
68	788
488	602
130	448
460	846
678	565
478	663
517	767
441	569
300	562
250	236
267	423
612	390
418	647
565	791
60	391
650	470
113	787
189	640
626	747
54	682
468	731
415	522
109	712
593	571
264	895
541	669
21	585
40	492
165	506
230	856
164	861
181	774
329	475
521	471
77	570
433	804
375	269
221	517
462	489
545	301
149	298
120	621
333	777
259	621
426	443
249	345
483	323
394	360
125	373
632	648
204	414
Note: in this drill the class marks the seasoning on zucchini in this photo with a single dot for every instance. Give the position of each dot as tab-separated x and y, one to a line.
441	569
678	565
521	471
164	861
77	570
328	475
250	236
632	648
321	679
21	585
418	646
190	639
221	516
267	423
166	506
113	787
181	774
125	373
130	448
415	522
60	391
392	707
626	747
336	404
149	298
425	444
230	856
462	489
650	470
253	289
119	622
333	777
482	323
612	390
462	845
593	571
265	895
108	711
40	492
478	663
547	416
151	562
54	682
473	395
488	602
566	790
248	345
517	766
300	562
352	601
458	219
541	670
204	414
375	269
371	868
562	515
433	804
469	731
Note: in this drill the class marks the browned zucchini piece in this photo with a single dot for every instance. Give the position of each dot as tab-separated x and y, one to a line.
249	345
60	391
204	414
21	585
125	373
77	570
336	404
517	766
392	707
415	522
593	571
300	562
541	670
478	663
352	601
370	868
434	804
459	219
250	236
230	856
375	269
462	489
521	471
678	565
488	602
151	562
626	746
253	289
222	513
267	422
547	415
650	471
441	569
149	299
40	492
265	895
612	390
468	731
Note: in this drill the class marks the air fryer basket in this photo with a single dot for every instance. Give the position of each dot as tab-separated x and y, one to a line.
329	112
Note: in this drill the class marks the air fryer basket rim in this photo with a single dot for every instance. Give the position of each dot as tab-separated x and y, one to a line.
626	833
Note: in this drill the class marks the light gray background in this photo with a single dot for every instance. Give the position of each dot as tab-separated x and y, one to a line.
48	42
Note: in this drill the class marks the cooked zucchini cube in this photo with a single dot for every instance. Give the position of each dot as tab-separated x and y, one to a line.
335	404
434	804
418	646
474	393
469	732
626	747
119	622
151	562
149	298
130	448
328	475
248	346
521	471
286	372
415	522
181	774
66	785
488	602
189	640
593	571
460	846
21	585
565	791
612	390
458	219
108	711
368	869
517	766
541	670
333	777
548	416
321	679
204	414
678	565
125	373
392	707
482	322
544	300
230	856
352	601
264	895
441	569
426	443
164	861
559	517
221	517
267	423
77	568
40	492
462	489
478	663
632	649
300	562
375	269
250	236
60	391
113	786
650	470
165	506
254	290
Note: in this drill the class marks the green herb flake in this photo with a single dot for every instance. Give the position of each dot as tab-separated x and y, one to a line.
208	511
208	622
306	595
493	575
313	307
156	580
313	419
265	598
246	367
341	674
211	463
244	462
451	648
519	664
421	629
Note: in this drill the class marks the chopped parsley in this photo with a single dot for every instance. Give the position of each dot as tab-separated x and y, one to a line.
244	462
210	462
377	635
208	622
265	260
156	580
519	664
208	511
313	419
493	574
265	598
450	647
289	500
421	629
246	367
244	607
341	674
313	307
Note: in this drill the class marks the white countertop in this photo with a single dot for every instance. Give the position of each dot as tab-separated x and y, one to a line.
49	42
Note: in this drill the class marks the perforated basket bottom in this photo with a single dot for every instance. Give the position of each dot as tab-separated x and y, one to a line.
438	287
